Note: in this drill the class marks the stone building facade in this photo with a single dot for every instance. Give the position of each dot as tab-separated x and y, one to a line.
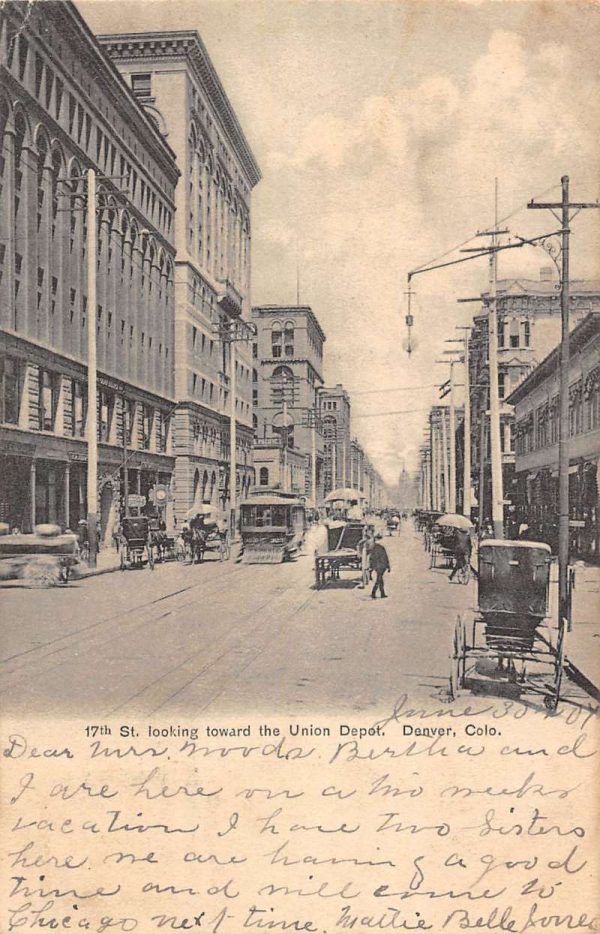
289	366
174	79
336	412
536	405
64	110
528	328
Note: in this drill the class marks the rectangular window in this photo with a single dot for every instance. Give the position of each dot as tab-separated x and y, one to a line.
79	397
106	402
141	85
163	432
147	422
129	420
48	400
527	332
9	390
501	332
501	385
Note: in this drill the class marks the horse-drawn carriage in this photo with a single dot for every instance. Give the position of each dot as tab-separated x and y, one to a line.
272	527
135	544
44	557
343	552
504	642
446	533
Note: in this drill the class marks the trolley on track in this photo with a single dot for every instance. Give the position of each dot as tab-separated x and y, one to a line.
272	527
504	643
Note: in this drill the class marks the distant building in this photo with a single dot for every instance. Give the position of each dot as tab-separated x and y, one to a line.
173	78
64	109
536	402
335	410
529	326
289	374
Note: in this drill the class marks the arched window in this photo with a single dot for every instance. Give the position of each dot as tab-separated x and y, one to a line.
282	385
57	165
264	476
288	339
276	339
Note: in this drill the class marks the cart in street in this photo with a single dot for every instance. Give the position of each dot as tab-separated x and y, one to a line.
503	641
343	552
135	548
44	558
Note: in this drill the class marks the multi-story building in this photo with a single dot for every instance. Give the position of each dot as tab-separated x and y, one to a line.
174	79
536	402
64	110
335	412
289	366
529	326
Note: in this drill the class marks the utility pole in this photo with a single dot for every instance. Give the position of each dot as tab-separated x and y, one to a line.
467	418
125	459
313	465
495	446
232	438
467	434
450	481
445	459
564	206
284	438
92	413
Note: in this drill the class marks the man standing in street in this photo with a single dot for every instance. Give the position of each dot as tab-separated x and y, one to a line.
380	563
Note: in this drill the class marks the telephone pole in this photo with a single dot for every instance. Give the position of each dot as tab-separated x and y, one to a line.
92	413
565	207
495	446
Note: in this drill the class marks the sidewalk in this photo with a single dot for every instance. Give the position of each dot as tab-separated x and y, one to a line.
107	561
583	642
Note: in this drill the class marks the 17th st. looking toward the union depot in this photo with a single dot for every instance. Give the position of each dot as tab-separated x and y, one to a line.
206	501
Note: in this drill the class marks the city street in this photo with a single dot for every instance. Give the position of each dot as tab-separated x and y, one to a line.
225	638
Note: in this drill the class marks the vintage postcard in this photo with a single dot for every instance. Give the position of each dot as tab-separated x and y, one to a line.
299	466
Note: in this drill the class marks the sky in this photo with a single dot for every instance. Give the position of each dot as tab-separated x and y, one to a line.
379	127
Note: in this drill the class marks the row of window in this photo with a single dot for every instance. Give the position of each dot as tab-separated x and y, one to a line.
48	399
282	342
49	89
541	428
514	333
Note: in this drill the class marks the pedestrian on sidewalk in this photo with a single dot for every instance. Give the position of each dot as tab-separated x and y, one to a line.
380	563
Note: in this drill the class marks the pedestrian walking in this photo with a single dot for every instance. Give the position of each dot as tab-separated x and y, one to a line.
462	553
380	563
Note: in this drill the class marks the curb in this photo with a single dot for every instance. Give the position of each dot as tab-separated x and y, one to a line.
95	572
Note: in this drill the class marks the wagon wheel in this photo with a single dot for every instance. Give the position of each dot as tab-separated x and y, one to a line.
551	700
458	660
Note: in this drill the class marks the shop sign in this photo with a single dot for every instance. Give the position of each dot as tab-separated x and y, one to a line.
577	523
80	456
136	500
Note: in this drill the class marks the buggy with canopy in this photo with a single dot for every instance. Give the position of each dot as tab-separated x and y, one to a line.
504	641
135	547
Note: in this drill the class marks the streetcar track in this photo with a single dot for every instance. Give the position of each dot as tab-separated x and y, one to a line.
86	632
101	622
250	660
186	661
245	637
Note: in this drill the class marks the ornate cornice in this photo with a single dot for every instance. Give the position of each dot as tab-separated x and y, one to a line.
187	46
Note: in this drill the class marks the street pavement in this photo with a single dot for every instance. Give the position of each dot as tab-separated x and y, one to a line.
226	638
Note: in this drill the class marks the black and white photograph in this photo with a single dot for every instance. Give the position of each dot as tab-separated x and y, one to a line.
300	448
